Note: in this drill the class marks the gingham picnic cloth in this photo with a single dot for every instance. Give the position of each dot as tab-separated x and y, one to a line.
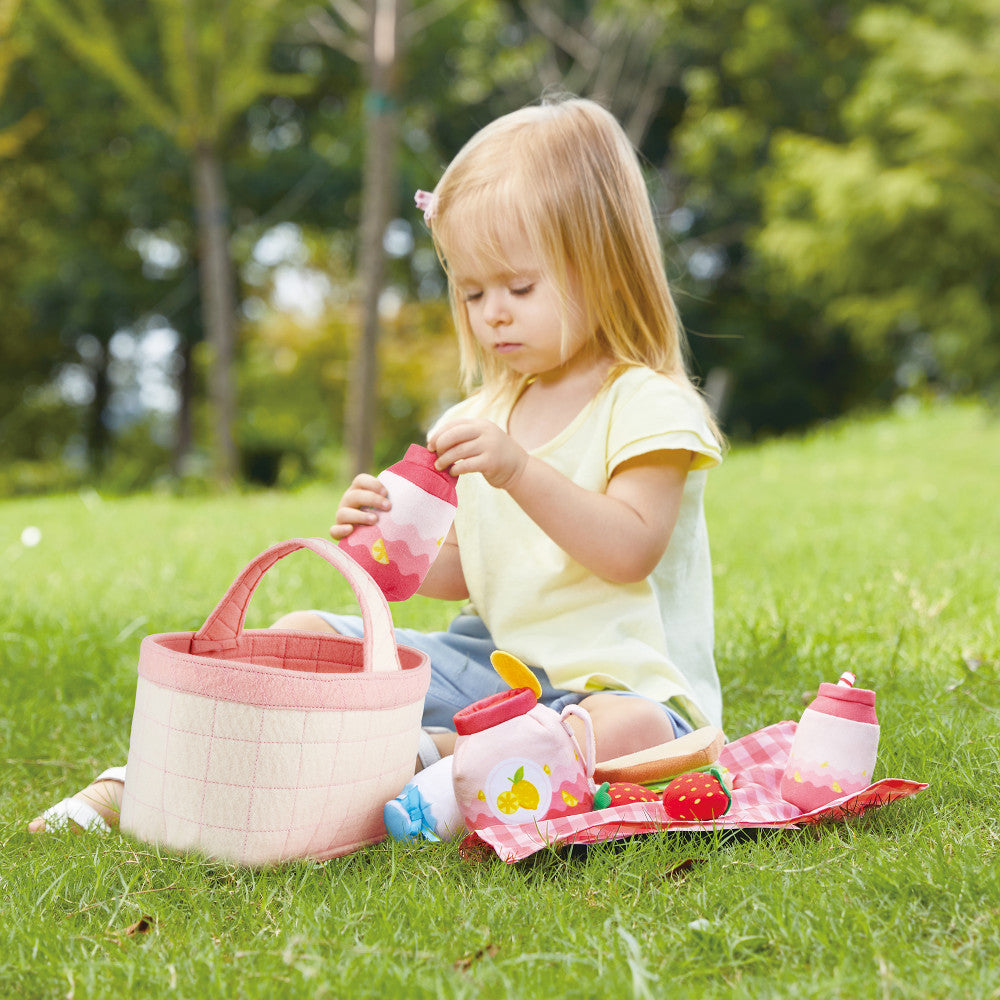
755	764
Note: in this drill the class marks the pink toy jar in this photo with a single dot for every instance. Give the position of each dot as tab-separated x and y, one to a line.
397	551
835	746
518	762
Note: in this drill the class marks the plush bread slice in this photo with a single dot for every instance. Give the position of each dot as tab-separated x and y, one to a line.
687	753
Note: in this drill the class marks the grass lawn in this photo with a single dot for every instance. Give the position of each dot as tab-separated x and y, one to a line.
872	546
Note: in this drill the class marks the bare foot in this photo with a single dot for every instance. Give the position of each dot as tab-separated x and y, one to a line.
103	796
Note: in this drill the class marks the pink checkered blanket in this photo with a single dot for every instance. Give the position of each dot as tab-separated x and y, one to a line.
755	763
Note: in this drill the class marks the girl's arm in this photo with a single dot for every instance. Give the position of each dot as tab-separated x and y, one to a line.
445	579
620	535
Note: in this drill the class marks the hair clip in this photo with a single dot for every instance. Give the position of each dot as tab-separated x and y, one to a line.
426	201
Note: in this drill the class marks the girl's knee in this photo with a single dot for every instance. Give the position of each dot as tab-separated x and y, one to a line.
303	621
624	725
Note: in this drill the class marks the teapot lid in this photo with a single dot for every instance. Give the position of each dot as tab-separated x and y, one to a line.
491	711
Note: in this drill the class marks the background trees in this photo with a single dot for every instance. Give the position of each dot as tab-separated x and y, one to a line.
209	64
892	229
825	175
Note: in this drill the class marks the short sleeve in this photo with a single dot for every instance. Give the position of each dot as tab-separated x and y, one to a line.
650	412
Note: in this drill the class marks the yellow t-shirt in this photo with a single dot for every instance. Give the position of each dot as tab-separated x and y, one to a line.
654	637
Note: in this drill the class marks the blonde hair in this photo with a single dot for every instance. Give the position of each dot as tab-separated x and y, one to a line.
565	175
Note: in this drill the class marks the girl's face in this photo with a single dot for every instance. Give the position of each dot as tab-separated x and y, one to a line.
516	313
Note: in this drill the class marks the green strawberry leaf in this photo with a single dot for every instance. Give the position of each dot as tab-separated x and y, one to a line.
602	798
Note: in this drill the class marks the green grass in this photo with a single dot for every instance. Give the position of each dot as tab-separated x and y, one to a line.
873	545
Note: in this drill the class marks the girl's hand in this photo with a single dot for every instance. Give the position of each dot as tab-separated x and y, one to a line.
479	446
360	504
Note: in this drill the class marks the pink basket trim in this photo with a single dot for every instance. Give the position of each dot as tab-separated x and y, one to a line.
322	672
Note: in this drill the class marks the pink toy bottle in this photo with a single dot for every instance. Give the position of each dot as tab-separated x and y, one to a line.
518	762
399	548
835	746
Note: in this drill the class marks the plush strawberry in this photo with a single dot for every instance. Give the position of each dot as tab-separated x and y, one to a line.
622	793
697	795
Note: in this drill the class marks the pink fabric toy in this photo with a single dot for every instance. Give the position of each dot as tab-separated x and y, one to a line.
754	765
835	746
517	762
261	745
397	551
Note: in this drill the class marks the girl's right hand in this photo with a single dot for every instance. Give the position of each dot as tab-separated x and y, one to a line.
360	504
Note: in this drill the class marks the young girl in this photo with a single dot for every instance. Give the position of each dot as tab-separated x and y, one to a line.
581	456
581	453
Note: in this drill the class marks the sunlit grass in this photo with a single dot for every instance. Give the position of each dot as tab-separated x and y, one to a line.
872	546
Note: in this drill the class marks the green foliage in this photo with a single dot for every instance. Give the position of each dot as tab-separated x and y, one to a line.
293	386
214	61
893	231
825	176
71	207
873	546
980	683
14	135
752	72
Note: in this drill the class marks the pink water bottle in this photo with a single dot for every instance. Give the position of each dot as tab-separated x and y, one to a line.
398	549
518	762
835	746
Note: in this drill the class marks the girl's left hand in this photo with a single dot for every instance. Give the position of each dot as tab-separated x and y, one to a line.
479	446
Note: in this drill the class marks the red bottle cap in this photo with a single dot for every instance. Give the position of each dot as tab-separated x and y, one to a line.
846	703
491	711
417	465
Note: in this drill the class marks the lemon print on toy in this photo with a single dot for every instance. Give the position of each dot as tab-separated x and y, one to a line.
379	554
518	791
507	803
522	794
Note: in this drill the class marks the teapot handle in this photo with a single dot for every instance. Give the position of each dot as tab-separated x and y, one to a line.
589	753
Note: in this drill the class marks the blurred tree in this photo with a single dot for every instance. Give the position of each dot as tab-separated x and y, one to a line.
215	62
754	72
69	276
622	54
893	229
824	174
377	34
371	34
14	358
13	136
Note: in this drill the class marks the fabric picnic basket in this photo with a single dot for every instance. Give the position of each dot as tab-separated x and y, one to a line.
258	746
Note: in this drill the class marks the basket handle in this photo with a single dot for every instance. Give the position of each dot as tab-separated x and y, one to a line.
224	625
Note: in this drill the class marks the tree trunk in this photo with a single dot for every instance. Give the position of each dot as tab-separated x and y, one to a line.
184	420
218	306
97	435
376	205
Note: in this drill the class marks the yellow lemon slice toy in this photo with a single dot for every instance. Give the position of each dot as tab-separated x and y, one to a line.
514	672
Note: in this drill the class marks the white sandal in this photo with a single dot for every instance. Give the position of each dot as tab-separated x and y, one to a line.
62	814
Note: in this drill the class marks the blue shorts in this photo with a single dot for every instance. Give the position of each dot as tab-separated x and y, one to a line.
461	672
